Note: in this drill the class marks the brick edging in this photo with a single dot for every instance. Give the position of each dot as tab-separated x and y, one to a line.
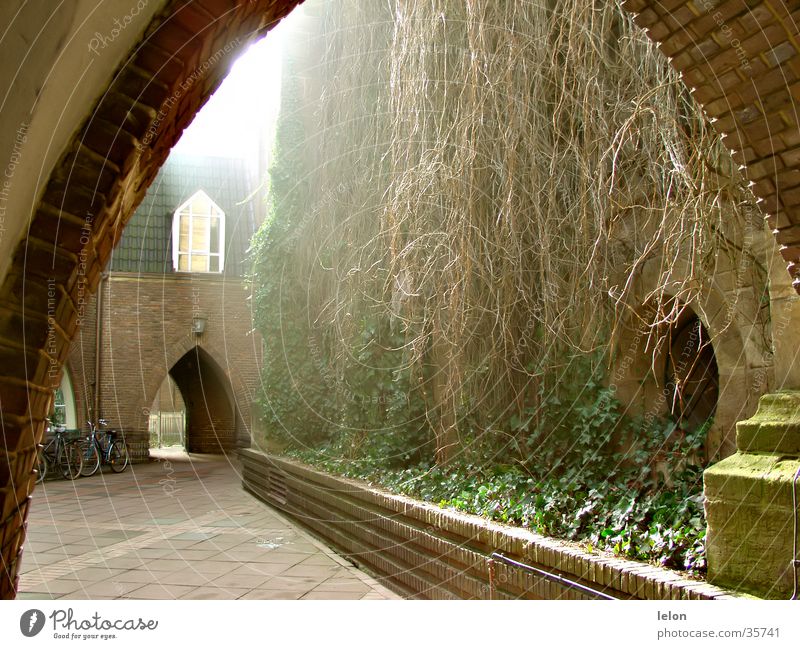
407	541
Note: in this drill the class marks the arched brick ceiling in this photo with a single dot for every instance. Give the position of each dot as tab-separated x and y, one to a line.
741	60
740	57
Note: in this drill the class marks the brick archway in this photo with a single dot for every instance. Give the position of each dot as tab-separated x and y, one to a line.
210	410
739	57
226	374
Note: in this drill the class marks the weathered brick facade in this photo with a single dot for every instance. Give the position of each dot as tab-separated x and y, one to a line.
146	332
739	56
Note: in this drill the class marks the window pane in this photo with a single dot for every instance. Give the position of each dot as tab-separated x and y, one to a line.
200	233
200	236
201	206
214	235
200	263
183	234
59	415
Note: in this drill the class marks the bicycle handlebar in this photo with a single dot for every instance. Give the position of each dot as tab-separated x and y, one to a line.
56	428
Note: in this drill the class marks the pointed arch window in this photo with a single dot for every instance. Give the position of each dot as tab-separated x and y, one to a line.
63	413
198	236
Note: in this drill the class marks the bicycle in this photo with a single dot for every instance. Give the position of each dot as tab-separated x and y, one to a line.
60	452
108	450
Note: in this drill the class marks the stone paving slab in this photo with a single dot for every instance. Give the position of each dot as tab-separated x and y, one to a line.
181	527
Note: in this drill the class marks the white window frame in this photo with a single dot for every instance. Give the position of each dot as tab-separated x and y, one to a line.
176	220
70	412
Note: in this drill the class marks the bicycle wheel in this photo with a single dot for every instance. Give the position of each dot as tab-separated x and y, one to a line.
71	461
118	456
89	456
41	466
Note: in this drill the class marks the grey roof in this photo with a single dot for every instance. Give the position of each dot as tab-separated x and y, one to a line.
146	243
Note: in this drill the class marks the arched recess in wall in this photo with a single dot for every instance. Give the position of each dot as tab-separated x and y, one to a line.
643	356
691	373
158	89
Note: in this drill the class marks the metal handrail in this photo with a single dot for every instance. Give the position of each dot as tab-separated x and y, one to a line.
549	576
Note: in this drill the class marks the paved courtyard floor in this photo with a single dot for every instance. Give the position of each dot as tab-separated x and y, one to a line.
178	528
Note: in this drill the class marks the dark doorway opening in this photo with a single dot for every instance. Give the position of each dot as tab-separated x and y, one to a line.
210	415
691	373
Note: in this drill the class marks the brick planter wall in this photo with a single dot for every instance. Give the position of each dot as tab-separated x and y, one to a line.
429	552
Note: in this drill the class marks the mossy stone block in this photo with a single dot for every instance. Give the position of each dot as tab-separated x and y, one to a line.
750	516
775	428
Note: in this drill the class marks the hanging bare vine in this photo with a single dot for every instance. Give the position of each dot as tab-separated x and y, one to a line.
491	177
